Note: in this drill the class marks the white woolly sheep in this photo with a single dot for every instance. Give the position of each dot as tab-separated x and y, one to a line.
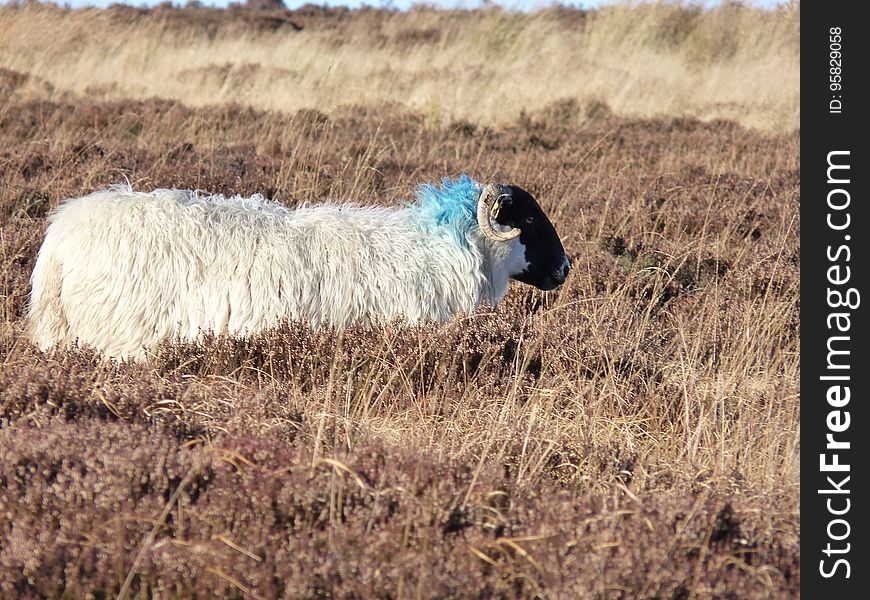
121	270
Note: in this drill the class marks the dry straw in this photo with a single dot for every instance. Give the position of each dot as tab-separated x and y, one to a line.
731	62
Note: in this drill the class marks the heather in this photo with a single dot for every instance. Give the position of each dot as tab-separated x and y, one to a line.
634	434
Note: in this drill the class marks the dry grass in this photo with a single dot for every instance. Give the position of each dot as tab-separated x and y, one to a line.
485	66
633	435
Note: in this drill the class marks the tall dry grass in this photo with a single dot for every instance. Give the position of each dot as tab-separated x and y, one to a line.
486	66
634	434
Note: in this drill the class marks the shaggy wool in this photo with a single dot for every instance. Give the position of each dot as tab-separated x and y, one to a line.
121	270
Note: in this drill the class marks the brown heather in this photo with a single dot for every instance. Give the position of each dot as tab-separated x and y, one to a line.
633	435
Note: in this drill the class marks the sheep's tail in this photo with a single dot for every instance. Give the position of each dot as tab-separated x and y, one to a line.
47	322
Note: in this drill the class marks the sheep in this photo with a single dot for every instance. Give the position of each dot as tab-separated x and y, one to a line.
122	271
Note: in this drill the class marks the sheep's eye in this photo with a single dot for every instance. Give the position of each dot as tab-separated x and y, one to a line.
529	219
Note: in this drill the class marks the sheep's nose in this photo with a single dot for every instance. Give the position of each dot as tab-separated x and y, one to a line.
561	274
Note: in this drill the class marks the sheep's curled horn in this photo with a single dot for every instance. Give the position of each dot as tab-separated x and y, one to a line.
488	207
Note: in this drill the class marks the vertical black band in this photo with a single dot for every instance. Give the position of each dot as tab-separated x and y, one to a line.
834	342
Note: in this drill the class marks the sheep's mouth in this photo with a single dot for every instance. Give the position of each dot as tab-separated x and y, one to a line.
549	284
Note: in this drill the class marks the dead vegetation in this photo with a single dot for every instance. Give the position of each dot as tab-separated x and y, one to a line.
633	435
485	66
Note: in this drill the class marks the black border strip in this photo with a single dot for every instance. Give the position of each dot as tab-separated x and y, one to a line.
834	234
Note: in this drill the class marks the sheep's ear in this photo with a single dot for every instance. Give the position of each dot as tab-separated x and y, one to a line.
492	200
504	200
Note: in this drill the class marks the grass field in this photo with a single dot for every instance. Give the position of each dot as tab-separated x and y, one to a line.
634	434
485	67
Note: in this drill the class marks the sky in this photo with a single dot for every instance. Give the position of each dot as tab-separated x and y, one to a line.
399	4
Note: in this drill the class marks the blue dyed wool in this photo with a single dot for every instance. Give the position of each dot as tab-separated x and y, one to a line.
453	205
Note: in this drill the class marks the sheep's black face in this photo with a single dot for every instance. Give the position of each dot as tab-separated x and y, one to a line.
547	264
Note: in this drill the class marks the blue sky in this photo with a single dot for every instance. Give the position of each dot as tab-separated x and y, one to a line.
400	4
